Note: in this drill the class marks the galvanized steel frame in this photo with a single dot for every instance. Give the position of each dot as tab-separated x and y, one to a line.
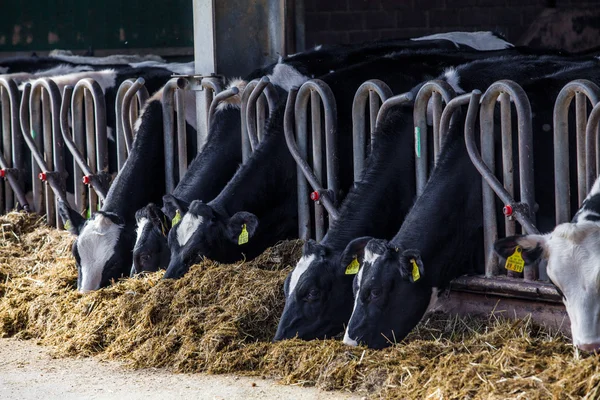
127	111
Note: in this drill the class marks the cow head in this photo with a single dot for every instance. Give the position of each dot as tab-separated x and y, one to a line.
318	295
151	251
204	232
390	294
573	254
102	249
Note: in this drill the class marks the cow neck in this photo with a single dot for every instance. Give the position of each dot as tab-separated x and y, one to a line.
444	225
378	203
265	181
211	169
141	180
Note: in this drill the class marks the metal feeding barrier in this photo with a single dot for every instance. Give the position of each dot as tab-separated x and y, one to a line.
376	92
88	143
127	111
11	161
40	124
592	139
582	91
259	96
296	120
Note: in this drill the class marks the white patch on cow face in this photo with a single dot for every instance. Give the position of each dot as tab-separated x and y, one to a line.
478	40
186	228
106	79
300	269
368	258
453	79
96	245
573	252
141	225
287	77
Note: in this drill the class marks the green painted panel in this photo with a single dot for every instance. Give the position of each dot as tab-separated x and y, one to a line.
109	24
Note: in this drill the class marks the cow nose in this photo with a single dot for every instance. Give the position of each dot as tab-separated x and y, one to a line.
348	340
589	347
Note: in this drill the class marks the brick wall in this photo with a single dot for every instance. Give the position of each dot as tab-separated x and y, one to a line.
348	21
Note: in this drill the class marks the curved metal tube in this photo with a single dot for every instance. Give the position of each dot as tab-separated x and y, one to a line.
124	134
12	164
366	91
265	89
211	86
437	91
592	139
246	146
137	89
392	102
577	89
448	114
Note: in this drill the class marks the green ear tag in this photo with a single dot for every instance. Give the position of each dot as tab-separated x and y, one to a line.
416	275
352	268
176	218
515	262
418	141
68	225
243	238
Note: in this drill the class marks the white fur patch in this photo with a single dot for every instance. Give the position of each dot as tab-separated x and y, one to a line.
300	269
484	40
106	79
186	228
62	69
96	245
349	341
287	77
68	56
451	76
318	47
141	225
234	102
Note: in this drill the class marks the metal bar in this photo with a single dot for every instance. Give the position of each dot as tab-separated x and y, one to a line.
420	121
393	102
561	143
298	149
580	123
137	89
13	165
508	286
367	90
449	112
261	117
317	159
211	86
182	156
592	138
6	195
220	97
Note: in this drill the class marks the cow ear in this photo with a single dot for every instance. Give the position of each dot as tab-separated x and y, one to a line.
72	220
171	204
533	247
241	227
355	250
312	247
411	265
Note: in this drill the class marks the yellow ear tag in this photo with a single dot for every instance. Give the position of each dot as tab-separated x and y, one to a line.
416	275
352	268
515	262
68	225
243	238
162	227
176	218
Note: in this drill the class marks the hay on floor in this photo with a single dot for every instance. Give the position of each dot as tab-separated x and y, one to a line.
221	318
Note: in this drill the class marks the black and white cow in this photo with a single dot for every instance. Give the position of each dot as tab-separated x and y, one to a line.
441	237
572	251
268	180
104	243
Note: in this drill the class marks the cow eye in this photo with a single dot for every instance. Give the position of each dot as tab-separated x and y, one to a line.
145	258
374	294
313	294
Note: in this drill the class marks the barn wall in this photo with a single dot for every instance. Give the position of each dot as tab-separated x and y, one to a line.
347	21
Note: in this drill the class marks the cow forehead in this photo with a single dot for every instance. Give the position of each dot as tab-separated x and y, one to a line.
300	270
187	227
574	253
368	262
